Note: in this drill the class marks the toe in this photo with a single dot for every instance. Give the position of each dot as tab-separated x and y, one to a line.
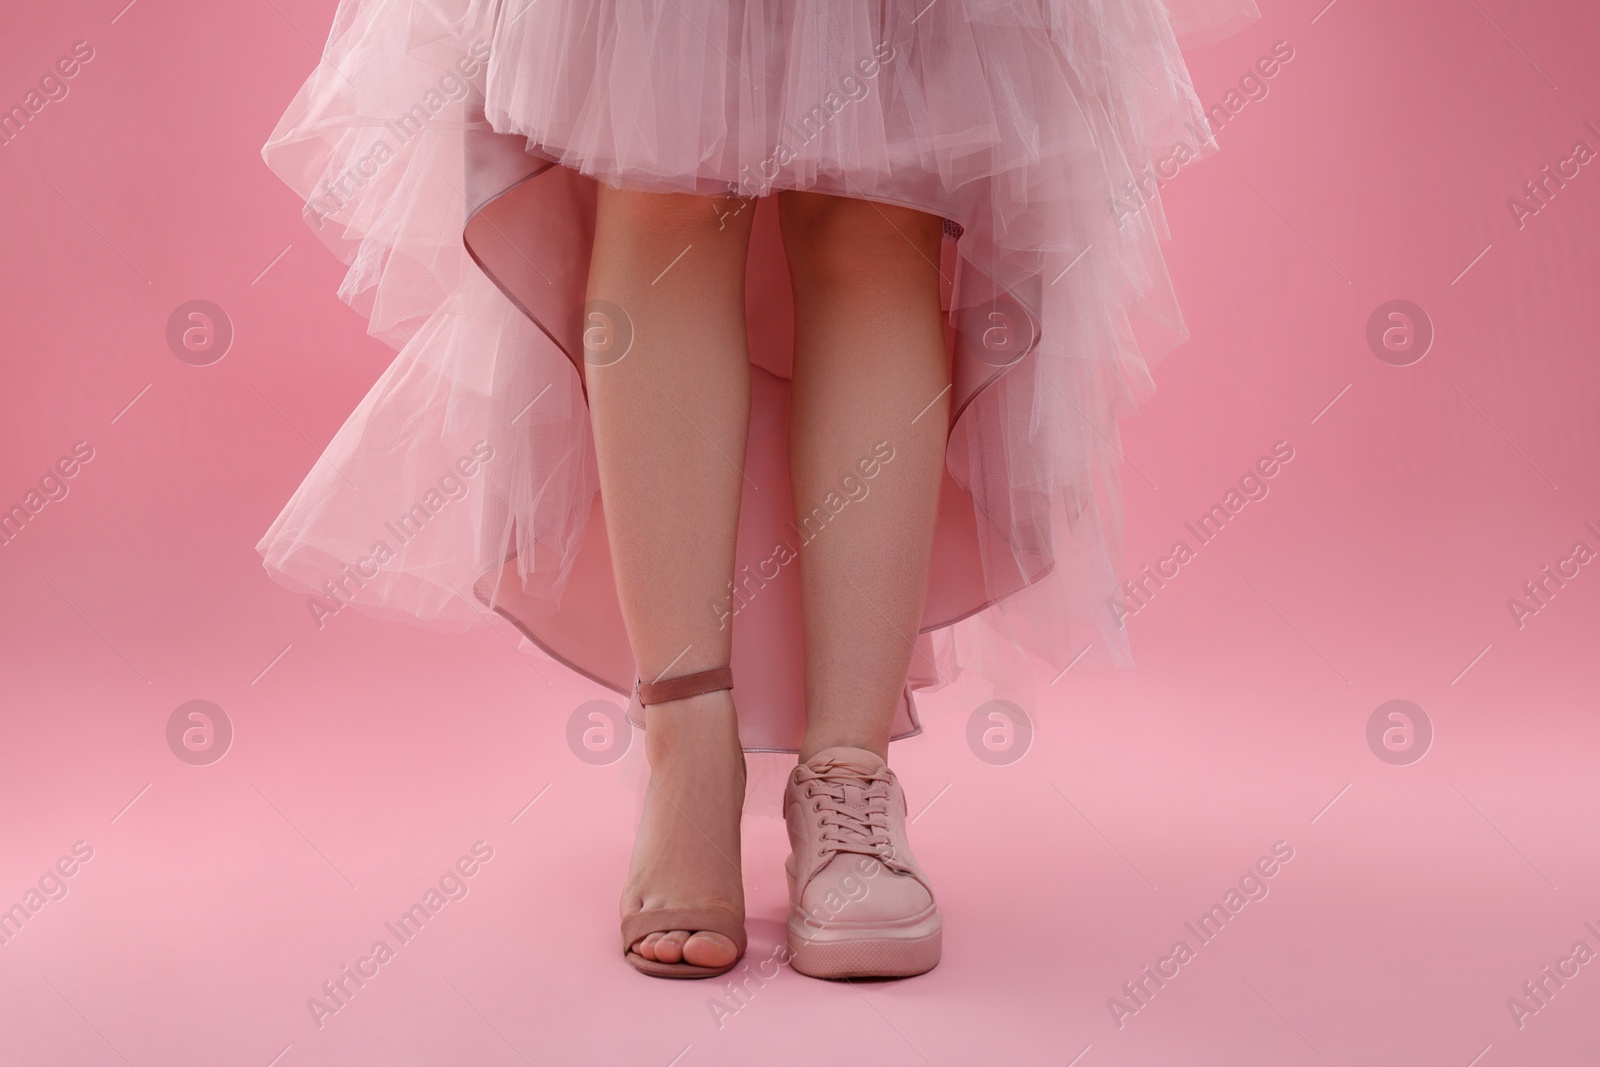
669	949
646	946
706	949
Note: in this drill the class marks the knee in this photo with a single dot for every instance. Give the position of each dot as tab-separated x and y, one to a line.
838	241
644	216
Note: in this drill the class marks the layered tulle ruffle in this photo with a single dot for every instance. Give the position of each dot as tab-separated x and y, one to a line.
448	152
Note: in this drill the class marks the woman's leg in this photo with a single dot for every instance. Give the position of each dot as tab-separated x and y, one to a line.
871	379
669	421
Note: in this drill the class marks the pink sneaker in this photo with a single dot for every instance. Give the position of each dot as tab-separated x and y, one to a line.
859	906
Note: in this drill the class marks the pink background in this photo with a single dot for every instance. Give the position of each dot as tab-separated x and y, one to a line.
369	756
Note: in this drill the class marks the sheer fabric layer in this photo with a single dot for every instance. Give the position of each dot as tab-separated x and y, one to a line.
448	153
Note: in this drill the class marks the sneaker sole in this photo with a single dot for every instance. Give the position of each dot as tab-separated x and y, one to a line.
875	952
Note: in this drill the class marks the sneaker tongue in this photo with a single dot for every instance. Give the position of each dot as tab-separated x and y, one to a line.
855	763
856	759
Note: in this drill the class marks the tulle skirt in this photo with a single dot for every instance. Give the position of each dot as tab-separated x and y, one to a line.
448	151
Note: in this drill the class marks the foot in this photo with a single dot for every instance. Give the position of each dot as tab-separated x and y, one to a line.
859	905
686	852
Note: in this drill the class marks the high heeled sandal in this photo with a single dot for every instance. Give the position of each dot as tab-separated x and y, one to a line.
705	918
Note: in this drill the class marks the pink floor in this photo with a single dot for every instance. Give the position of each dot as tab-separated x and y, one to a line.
367	758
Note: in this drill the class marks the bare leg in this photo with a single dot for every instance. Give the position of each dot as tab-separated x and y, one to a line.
670	419
870	381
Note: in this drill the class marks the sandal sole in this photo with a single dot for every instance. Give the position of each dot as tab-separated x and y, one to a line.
657	969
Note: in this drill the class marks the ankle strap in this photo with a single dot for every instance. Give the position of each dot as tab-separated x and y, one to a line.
685	685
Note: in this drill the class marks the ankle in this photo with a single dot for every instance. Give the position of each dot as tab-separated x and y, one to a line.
693	727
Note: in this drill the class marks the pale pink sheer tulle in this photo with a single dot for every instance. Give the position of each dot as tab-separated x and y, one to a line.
447	151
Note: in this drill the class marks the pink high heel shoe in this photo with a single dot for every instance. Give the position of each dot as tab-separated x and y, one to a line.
705	918
859	905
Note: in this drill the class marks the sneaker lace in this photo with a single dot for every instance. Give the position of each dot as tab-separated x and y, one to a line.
851	806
